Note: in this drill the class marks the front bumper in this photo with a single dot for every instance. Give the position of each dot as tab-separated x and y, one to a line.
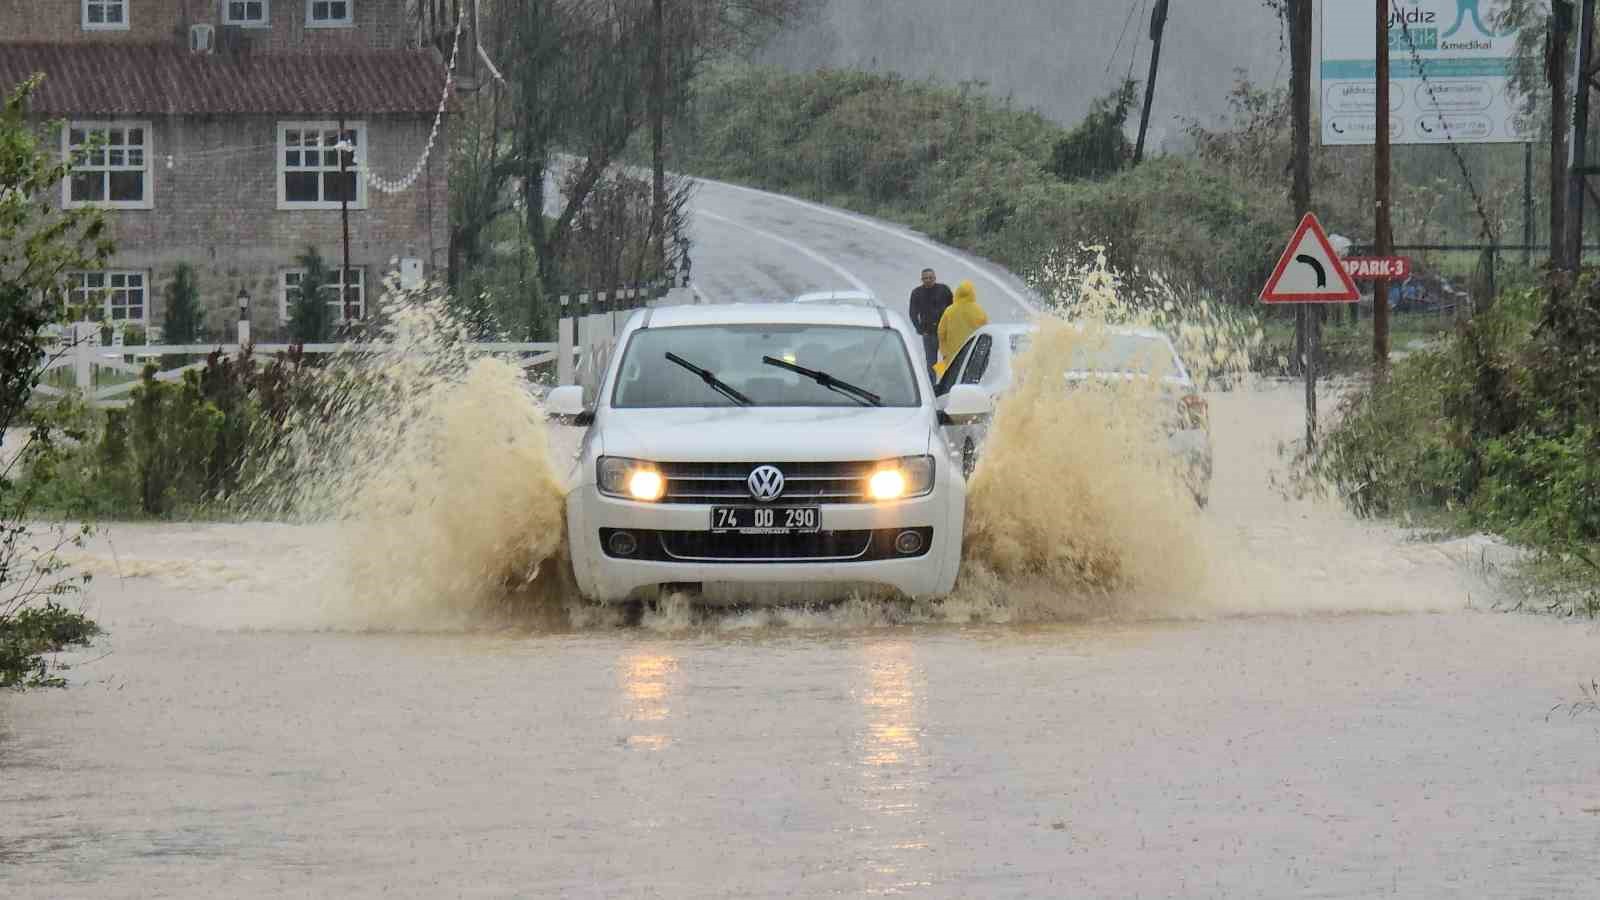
676	547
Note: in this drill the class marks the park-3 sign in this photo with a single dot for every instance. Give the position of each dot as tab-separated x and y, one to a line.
1460	94
1309	271
1372	268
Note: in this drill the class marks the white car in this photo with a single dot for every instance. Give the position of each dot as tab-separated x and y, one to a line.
845	298
987	361
765	445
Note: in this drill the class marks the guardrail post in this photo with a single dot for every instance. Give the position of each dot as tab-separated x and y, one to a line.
564	337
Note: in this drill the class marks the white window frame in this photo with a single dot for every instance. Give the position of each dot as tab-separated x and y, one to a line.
227	14
78	293
348	21
83	10
359	167
338	287
147	149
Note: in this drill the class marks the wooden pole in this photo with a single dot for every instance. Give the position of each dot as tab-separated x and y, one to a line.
658	160
1300	62
1383	230
1560	118
1578	152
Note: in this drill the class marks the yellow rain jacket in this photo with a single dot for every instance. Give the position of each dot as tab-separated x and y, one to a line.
959	321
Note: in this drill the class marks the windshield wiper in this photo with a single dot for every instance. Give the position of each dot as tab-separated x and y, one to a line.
712	381
860	394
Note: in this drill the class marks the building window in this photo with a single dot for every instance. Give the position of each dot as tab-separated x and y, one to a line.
249	13
108	296
308	165
351	284
328	13
110	164
109	15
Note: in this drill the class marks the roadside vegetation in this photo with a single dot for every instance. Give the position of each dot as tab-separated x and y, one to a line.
37	245
1007	184
1495	429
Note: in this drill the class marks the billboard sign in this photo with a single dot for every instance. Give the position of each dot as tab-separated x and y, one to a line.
1467	61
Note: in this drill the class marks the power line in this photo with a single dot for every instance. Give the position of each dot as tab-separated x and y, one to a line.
1117	51
1134	59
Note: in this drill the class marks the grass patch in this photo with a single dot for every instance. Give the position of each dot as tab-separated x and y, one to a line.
32	632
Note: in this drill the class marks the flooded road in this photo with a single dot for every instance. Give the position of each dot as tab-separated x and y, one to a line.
218	742
1336	711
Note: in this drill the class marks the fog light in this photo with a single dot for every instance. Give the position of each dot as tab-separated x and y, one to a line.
908	542
623	543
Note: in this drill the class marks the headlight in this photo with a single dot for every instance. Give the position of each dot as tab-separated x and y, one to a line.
633	479
910	476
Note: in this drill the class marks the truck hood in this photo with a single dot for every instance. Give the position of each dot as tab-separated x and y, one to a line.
765	434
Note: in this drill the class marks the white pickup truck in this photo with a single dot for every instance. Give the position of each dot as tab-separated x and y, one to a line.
765	444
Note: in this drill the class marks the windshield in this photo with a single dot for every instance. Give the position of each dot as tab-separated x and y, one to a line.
873	359
1125	353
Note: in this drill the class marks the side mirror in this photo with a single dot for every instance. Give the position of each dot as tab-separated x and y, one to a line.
565	404
966	402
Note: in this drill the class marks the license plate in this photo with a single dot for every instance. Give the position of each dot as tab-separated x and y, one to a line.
766	519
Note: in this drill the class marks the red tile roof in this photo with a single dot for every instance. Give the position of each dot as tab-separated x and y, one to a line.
117	79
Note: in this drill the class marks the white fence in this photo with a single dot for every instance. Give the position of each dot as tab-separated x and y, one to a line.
106	374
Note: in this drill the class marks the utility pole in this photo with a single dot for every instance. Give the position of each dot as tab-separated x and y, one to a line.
1383	230
1300	69
1158	24
1578	152
1555	70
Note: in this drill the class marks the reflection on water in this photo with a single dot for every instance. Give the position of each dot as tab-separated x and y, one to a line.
646	685
894	768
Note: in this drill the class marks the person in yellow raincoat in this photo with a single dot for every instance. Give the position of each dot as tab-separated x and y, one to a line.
959	321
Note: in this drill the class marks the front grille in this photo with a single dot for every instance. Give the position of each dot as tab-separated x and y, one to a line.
825	482
821	547
824	546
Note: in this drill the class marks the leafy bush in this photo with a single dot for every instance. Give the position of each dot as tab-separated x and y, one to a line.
177	446
1497	429
33	632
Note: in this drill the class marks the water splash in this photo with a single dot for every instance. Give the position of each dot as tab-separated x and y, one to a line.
434	462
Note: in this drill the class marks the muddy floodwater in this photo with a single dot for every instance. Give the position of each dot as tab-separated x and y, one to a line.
1363	725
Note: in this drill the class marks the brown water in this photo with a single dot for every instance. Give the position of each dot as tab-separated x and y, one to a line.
1338	716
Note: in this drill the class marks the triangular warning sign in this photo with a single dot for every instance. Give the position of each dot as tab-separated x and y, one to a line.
1309	271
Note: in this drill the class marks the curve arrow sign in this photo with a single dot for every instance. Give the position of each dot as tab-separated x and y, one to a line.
1309	271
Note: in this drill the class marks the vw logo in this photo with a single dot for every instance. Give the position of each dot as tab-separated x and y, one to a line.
765	483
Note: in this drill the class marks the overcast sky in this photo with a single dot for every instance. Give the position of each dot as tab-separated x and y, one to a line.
1051	55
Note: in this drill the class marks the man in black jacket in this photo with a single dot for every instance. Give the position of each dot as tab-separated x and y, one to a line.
928	303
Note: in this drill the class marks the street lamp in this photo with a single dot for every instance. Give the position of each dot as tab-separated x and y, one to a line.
244	317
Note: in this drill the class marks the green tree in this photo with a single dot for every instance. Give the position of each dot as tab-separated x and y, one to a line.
38	246
1097	146
310	318
184	313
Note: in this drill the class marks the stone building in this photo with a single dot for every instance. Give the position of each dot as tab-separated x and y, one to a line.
208	129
